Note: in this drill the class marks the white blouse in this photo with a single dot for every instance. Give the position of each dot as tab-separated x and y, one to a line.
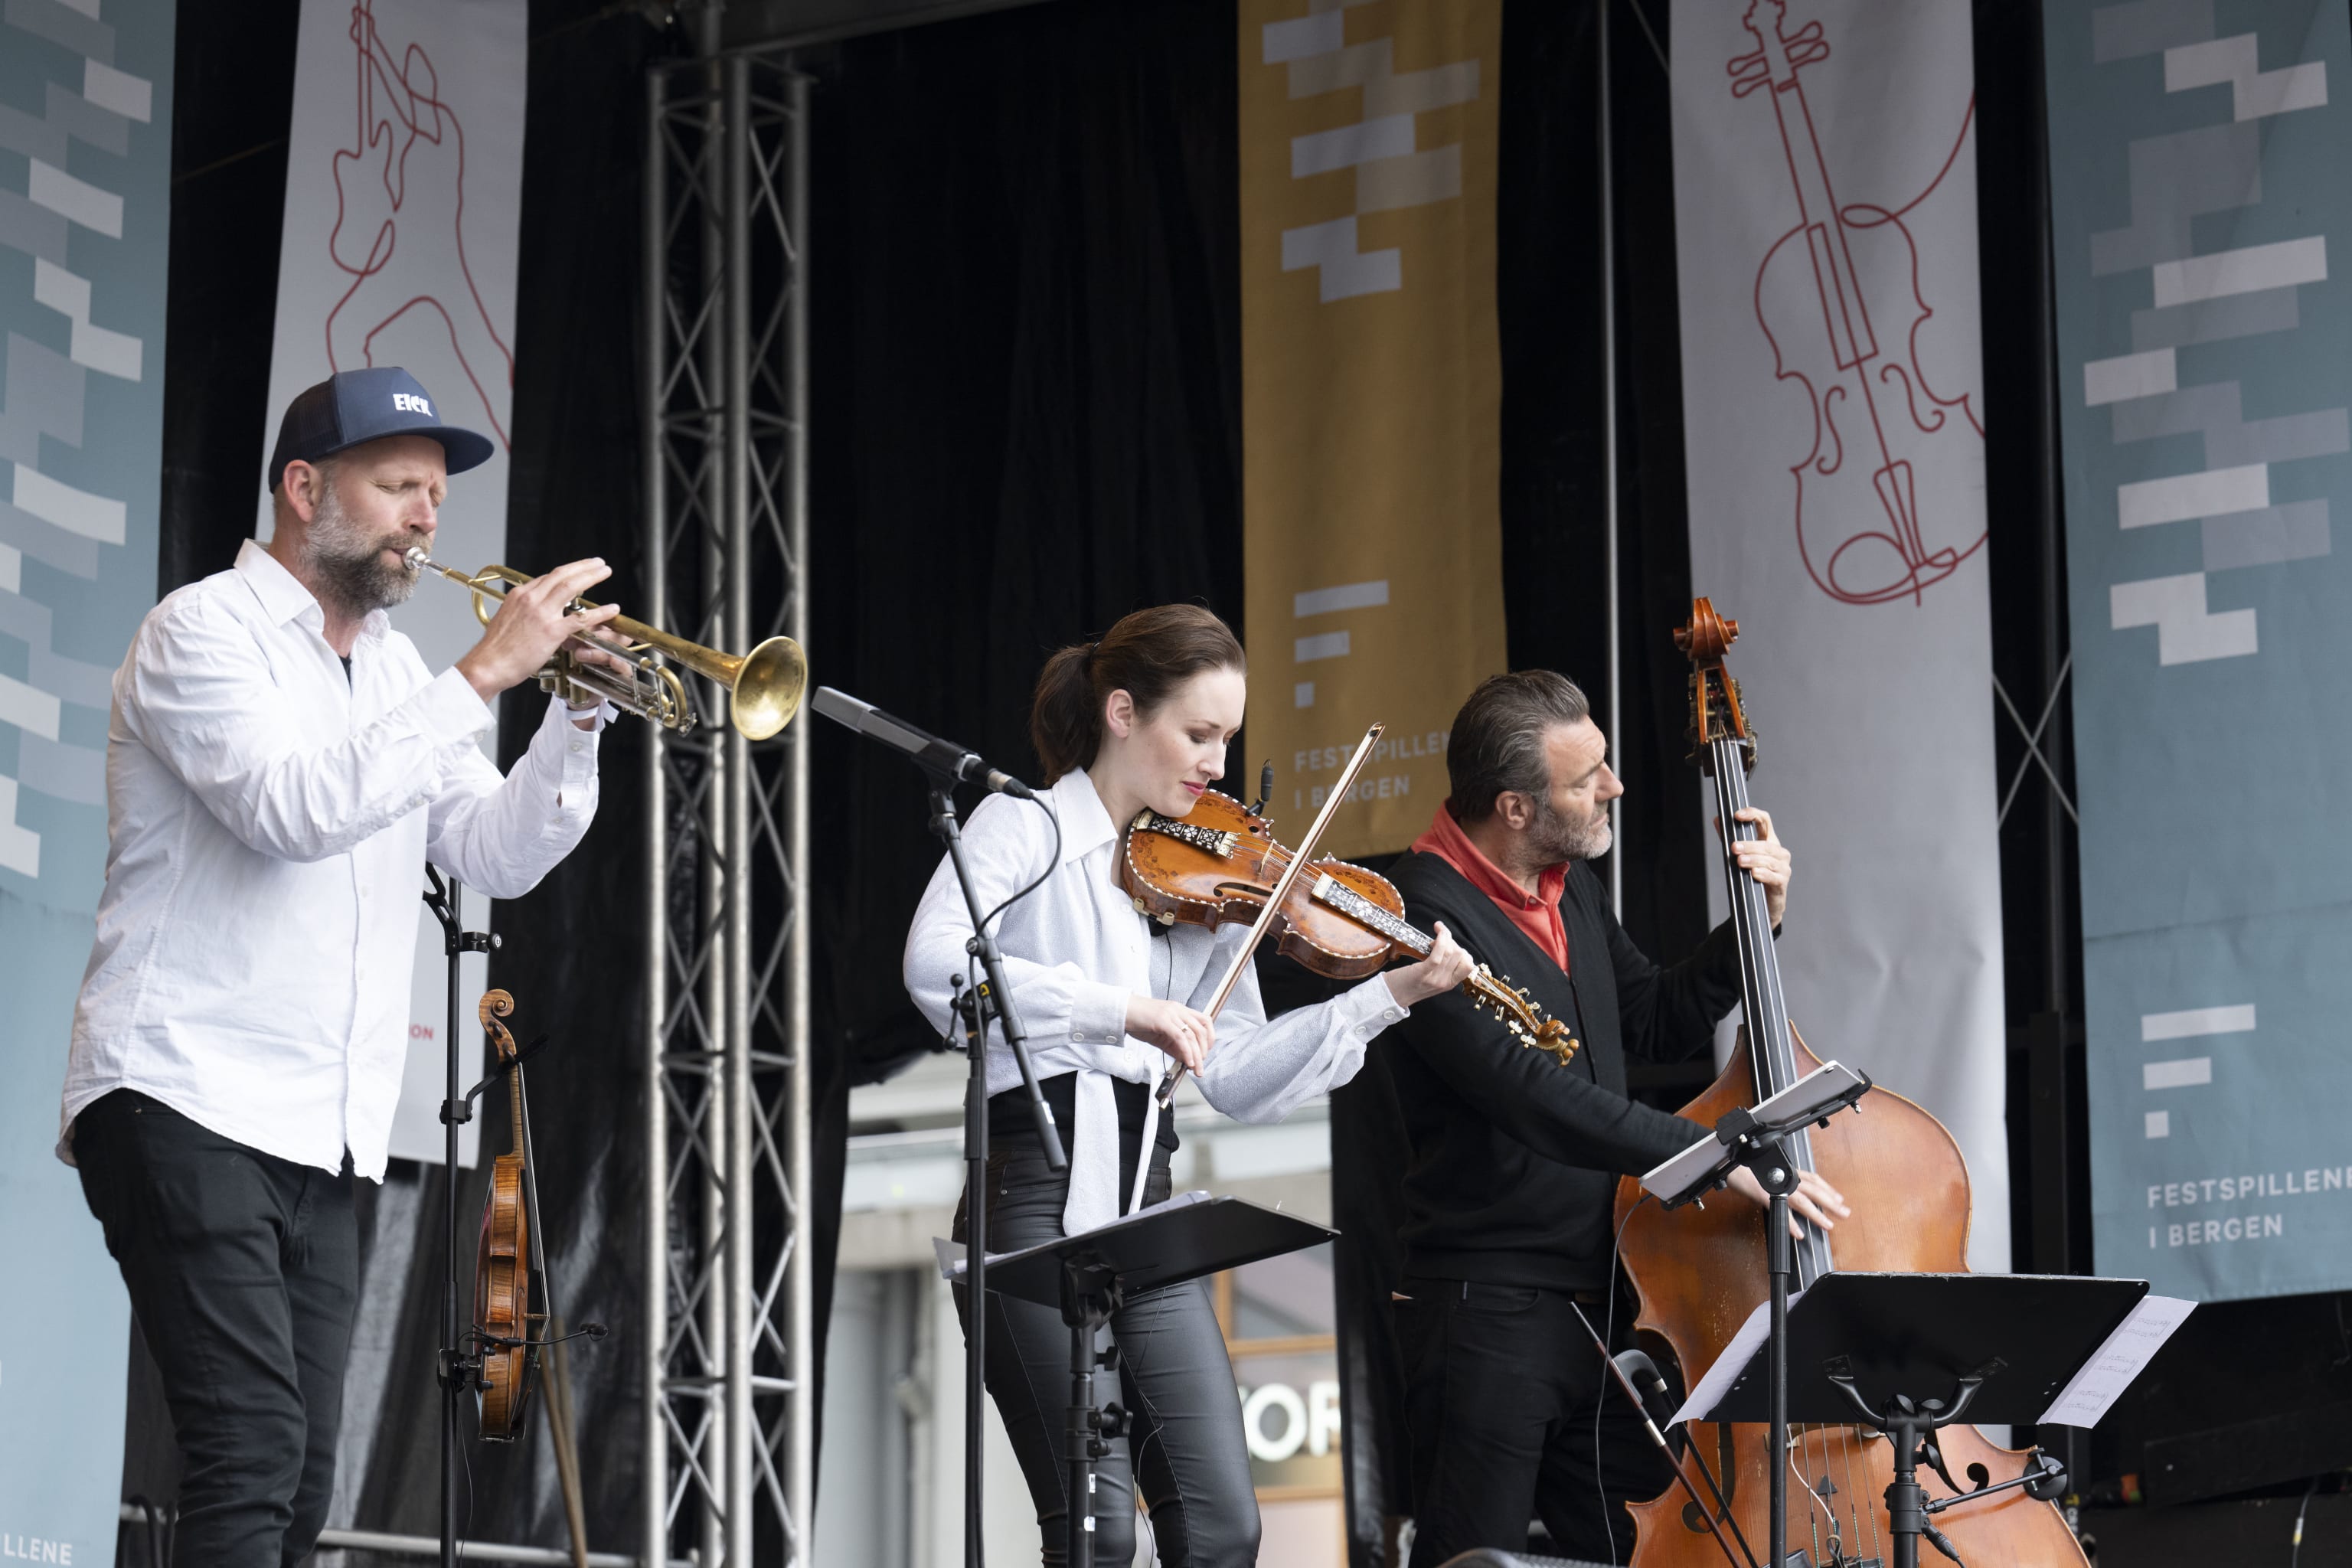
1076	950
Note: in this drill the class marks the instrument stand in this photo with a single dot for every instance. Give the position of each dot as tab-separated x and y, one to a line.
1088	1275
2004	1343
993	999
1760	1150
1090	1294
461	1374
1905	1424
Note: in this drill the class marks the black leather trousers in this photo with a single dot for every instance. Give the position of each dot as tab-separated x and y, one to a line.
1184	1454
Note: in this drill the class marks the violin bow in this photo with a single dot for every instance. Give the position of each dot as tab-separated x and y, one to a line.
1298	861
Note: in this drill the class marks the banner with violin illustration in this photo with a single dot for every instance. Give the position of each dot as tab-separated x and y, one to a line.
2199	229
404	191
84	222
1371	395
1825	214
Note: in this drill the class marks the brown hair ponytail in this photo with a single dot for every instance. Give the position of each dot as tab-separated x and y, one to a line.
1148	655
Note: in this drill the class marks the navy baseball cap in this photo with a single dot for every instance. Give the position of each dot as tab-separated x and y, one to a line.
353	406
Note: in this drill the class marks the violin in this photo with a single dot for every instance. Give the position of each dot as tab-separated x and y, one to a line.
1699	1272
502	1314
1221	862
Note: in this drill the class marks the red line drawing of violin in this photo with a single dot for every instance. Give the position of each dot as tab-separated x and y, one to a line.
1839	295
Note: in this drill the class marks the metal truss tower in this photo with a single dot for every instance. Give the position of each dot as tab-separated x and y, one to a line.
726	1331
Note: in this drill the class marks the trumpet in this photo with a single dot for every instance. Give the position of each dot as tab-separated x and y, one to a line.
764	687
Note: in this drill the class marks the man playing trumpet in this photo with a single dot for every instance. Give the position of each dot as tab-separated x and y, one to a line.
280	761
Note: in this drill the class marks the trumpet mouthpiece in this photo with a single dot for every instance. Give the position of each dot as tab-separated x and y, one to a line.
417	558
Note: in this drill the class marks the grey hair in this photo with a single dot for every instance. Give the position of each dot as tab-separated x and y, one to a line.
1498	741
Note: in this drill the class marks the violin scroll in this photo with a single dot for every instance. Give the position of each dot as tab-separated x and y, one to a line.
1518	1012
494	1005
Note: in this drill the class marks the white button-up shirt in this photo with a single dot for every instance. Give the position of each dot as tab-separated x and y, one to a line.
1076	950
268	821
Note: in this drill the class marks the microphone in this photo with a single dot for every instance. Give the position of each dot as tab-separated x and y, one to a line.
943	759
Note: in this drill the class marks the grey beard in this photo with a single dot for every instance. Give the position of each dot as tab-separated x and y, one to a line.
1556	839
346	564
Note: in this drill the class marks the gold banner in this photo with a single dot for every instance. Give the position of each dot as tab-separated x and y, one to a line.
1372	393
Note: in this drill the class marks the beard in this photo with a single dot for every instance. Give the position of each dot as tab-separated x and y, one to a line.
348	562
1554	836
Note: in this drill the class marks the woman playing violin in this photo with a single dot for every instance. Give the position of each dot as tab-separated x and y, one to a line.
1111	1003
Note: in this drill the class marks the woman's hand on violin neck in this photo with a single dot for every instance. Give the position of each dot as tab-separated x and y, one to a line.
1815	1200
1180	1031
1446	967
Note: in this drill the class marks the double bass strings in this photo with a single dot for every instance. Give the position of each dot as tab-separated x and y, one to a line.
1827	1453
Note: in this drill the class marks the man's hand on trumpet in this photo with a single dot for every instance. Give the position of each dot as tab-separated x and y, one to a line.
534	620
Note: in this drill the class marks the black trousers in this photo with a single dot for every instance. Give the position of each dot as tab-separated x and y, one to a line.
244	1271
1184	1449
1503	1389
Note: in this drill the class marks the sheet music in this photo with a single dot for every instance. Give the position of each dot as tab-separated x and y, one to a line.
1727	1367
2091	1392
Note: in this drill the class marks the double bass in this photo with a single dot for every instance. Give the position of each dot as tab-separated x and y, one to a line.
1697	1273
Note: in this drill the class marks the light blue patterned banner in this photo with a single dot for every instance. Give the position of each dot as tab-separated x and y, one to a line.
2202	237
85	190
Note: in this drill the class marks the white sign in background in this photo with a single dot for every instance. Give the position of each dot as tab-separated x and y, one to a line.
403	190
1825	212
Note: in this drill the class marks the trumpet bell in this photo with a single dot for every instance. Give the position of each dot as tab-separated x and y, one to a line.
768	688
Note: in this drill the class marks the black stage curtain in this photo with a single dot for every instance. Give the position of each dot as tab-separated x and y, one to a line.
1026	334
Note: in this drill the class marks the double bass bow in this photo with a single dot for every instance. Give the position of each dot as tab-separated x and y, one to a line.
1698	1272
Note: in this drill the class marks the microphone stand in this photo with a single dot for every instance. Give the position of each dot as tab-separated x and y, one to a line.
459	1374
995	998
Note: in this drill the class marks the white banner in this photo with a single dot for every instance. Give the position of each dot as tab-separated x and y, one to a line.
403	187
1825	211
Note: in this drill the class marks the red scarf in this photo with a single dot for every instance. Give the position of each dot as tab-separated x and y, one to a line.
1536	913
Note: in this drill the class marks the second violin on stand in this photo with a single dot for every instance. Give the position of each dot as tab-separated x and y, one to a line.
496	1358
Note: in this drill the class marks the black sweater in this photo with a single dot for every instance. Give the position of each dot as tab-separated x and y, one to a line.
1515	1159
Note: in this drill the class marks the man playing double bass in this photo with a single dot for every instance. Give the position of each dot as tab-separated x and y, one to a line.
1514	1158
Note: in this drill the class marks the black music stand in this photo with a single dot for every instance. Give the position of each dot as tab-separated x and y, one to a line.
1998	1347
458	1375
1086	1277
1755	1137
